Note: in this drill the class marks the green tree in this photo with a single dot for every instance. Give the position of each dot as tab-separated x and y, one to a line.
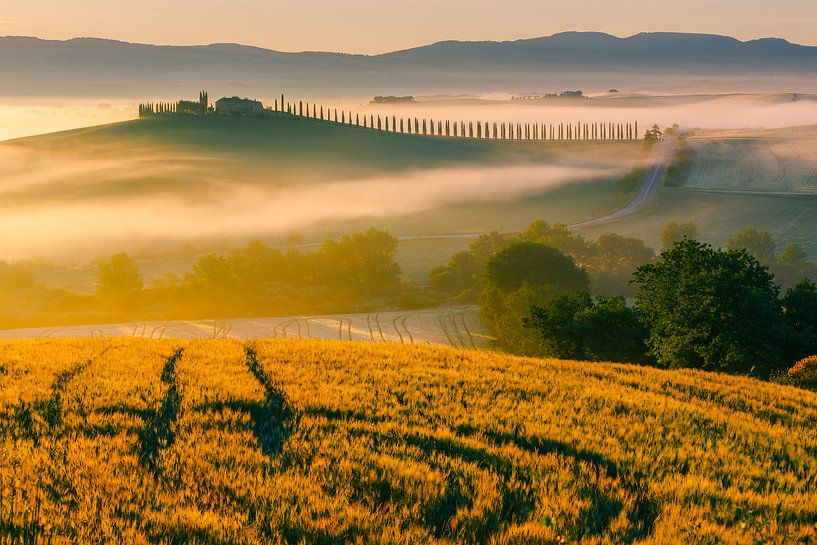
712	309
463	273
119	281
520	276
460	276
674	232
560	237
14	278
619	255
362	264
215	274
792	265
529	263
574	326
758	244
800	310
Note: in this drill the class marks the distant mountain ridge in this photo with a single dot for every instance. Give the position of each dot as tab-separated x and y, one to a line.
98	67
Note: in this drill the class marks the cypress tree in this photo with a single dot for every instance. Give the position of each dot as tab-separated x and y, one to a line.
401	125
282	102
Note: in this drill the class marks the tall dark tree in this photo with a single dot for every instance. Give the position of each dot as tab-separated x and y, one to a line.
712	309
577	327
529	263
800	310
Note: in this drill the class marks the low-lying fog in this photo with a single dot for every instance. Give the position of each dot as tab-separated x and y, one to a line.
700	111
59	224
19	118
83	229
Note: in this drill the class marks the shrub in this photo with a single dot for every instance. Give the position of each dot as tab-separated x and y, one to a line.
804	373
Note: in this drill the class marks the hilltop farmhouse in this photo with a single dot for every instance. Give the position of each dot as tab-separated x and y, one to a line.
238	106
223	106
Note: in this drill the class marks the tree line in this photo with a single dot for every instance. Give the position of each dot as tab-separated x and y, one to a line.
463	129
487	130
547	291
355	273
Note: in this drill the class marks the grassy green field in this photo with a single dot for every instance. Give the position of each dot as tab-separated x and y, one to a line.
218	442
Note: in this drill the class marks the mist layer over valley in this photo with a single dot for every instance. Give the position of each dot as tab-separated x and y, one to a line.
164	182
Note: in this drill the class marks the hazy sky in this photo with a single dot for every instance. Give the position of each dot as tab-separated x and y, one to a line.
372	26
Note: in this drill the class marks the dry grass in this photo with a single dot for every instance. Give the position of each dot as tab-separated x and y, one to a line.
296	441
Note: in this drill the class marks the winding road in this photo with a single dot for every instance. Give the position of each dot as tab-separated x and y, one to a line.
646	192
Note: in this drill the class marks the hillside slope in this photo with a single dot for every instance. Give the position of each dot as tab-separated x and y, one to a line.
94	68
320	442
173	154
157	184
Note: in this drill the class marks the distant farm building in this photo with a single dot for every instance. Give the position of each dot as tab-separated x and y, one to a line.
238	106
392	99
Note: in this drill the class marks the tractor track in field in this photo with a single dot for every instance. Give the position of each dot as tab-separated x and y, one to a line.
161	422
277	418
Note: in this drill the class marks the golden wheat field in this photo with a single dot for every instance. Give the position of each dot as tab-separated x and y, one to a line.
306	441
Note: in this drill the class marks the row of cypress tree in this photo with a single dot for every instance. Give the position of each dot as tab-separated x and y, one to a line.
156	108
462	129
430	127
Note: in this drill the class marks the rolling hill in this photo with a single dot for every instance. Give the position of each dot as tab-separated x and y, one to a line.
87	67
764	179
141	441
157	182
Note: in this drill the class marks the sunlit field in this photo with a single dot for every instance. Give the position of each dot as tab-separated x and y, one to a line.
281	441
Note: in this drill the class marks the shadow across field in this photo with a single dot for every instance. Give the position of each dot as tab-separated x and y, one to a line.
604	502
